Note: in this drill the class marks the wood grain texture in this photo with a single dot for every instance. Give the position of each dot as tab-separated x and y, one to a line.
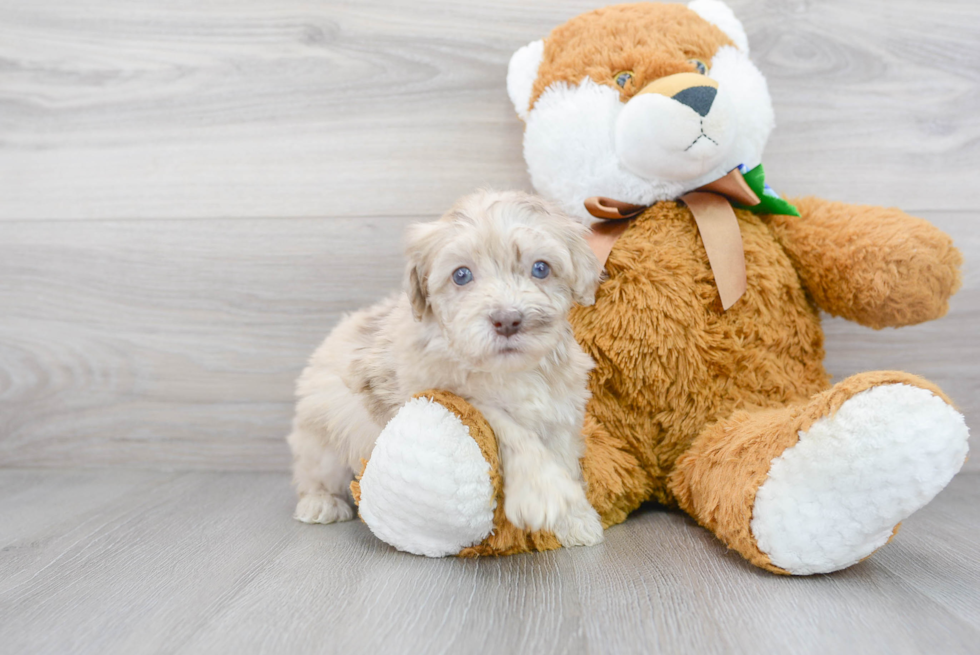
174	344
141	562
192	194
269	108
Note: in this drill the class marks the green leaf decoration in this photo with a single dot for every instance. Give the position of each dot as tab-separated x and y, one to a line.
771	202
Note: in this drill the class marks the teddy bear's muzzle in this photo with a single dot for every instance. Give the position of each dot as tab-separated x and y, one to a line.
690	89
676	128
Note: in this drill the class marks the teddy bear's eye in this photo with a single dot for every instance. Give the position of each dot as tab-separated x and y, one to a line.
623	78
701	67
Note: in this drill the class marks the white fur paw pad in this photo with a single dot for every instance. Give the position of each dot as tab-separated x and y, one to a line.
836	496
581	527
529	508
551	500
426	489
322	508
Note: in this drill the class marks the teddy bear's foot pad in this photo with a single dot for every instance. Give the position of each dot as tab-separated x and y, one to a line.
838	494
427	488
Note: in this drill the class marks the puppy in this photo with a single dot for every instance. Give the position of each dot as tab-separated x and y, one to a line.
483	315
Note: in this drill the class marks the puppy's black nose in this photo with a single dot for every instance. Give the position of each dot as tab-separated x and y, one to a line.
506	322
698	98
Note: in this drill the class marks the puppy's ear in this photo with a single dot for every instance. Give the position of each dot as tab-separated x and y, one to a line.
421	245
586	269
415	286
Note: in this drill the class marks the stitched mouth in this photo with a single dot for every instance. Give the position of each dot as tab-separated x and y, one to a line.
701	136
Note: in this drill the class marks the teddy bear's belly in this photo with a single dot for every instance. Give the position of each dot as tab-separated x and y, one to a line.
669	361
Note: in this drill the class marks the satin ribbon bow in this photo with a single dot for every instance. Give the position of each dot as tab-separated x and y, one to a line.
711	206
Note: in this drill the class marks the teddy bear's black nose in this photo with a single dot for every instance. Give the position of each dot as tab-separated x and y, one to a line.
698	98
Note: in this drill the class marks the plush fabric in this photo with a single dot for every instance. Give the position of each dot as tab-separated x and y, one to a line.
876	266
716	480
577	124
730	415
505	539
623	38
886	435
438	502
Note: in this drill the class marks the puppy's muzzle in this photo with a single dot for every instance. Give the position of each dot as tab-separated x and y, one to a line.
506	322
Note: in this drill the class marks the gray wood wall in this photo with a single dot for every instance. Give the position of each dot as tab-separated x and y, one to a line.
192	193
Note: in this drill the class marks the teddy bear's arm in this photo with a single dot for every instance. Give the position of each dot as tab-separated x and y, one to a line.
874	265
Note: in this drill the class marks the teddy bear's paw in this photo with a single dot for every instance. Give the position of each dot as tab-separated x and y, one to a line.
838	494
580	526
427	488
322	508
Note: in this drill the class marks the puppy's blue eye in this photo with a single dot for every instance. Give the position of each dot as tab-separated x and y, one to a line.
540	270
462	275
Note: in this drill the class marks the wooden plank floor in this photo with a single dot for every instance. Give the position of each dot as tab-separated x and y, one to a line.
141	562
191	194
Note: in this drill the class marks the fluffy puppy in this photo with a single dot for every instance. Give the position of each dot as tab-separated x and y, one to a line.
484	314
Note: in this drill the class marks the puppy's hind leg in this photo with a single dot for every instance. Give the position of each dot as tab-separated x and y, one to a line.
332	432
322	478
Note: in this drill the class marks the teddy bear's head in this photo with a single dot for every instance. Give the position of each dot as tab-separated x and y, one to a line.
640	103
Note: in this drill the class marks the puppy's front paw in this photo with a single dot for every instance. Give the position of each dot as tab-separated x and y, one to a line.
581	526
555	503
322	508
534	504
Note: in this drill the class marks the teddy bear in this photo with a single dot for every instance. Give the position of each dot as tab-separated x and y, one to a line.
709	395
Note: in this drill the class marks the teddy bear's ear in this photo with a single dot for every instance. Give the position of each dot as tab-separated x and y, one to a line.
721	16
521	74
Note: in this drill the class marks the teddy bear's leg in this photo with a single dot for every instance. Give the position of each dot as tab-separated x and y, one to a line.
428	488
820	485
433	484
616	482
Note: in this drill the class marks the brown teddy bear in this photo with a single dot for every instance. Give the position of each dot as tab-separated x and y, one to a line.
648	121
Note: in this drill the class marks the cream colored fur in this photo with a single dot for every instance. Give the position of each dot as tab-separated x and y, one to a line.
531	386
